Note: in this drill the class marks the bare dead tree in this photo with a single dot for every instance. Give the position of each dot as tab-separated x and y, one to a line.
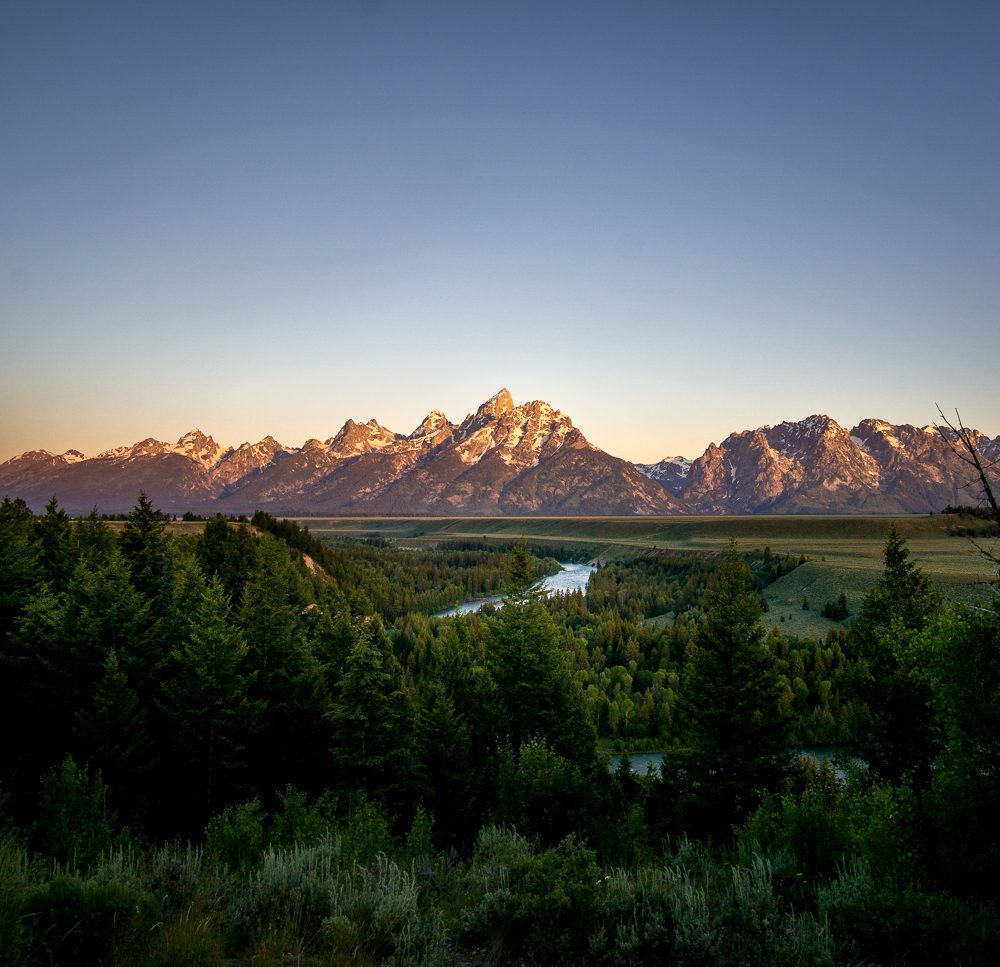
962	443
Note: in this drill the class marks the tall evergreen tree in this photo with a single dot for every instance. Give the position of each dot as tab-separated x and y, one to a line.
897	737
520	577
537	694
104	610
38	690
294	733
902	596
373	717
142	542
20	566
737	736
93	537
111	736
230	552
55	537
446	778
461	669
204	696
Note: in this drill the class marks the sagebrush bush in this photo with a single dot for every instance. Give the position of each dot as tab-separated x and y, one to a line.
375	918
182	877
288	891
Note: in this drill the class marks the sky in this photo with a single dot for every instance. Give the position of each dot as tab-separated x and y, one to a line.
670	220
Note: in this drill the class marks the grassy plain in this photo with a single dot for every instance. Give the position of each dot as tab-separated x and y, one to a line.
844	554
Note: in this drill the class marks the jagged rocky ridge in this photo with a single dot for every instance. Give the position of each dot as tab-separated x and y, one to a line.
502	459
817	466
507	459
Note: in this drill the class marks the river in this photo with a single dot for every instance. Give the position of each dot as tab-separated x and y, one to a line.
572	577
640	762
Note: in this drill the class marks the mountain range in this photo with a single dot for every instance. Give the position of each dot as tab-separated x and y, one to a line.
513	460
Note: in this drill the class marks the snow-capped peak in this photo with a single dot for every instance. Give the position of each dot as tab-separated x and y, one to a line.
669	470
817	423
356	438
430	424
517	435
197	446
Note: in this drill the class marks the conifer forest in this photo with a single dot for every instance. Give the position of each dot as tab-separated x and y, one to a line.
237	744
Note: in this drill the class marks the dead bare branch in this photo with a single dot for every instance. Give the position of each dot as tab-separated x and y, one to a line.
962	443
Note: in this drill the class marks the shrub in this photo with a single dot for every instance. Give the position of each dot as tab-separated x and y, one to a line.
236	836
541	793
74	826
179	877
543	905
296	823
68	921
375	918
366	834
287	894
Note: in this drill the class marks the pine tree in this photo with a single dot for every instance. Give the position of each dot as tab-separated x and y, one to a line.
143	545
520	577
897	737
20	567
204	698
111	736
445	772
38	691
230	552
737	736
372	717
55	537
104	610
460	668
535	687
294	733
956	657
902	597
93	537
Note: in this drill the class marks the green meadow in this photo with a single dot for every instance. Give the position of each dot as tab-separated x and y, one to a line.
843	554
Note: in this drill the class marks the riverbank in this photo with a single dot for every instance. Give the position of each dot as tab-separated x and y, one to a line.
570	577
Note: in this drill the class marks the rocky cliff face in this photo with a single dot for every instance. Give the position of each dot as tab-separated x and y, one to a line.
817	466
513	459
918	467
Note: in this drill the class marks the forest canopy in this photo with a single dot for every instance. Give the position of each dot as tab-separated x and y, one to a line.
240	741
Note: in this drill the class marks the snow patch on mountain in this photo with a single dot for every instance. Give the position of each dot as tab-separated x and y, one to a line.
475	446
198	447
676	468
430	425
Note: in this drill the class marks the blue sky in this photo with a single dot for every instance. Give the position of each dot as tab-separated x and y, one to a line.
670	220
